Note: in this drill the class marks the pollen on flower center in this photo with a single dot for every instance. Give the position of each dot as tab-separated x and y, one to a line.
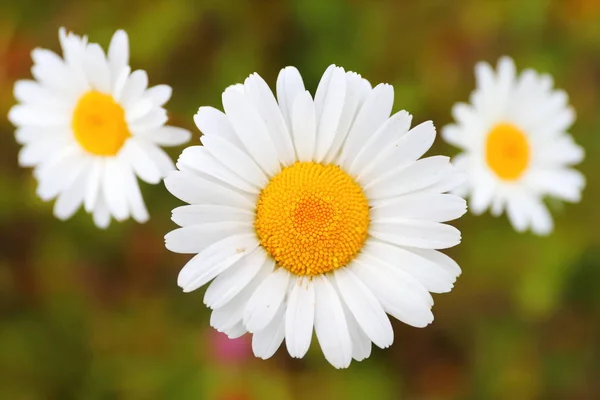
507	151
99	124
312	218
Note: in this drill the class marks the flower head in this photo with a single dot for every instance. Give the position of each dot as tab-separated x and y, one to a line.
314	214
89	126
515	146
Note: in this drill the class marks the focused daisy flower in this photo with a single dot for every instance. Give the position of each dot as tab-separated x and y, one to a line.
89	126
516	148
314	214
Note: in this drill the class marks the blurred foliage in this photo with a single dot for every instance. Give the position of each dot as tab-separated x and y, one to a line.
89	314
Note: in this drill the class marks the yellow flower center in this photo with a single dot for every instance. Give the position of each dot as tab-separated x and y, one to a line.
507	151
312	218
99	124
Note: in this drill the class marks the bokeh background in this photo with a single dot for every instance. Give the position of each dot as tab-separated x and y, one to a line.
90	314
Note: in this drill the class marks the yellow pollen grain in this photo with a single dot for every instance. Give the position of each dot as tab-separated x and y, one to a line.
99	124
507	151
312	218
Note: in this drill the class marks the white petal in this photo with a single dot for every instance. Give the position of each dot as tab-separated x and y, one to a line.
304	126
355	93
134	88
197	159
159	94
231	282
135	201
328	113
141	163
59	174
213	123
416	233
289	86
101	214
381	144
423	206
361	344
71	198
93	184
235	159
372	115
563	183
400	295
365	307
112	188
265	301
260	95
139	110
214	259
45	149
226	318
330	324
207	213
118	53
161	159
299	317
96	68
413	177
169	136
434	276
251	130
266	341
195	238
194	189
29	115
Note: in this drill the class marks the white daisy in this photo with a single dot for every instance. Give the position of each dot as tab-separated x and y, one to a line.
89	126
516	148
314	214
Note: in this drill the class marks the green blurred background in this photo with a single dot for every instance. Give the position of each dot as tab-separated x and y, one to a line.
90	314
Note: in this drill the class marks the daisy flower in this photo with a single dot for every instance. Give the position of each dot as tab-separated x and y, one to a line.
314	214
515	146
89	126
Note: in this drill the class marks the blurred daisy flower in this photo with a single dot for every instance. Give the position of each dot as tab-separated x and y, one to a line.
314	214
89	126
515	146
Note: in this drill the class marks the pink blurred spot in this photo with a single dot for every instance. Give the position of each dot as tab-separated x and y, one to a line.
233	351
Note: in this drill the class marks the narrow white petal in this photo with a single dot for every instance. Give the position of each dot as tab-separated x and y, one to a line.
159	94
112	189
401	296
101	214
169	136
251	130
236	159
194	189
304	126
329	112
93	184
289	86
214	259
372	115
266	341
199	214
416	233
132	191
413	177
197	159
141	163
134	88
96	68
422	206
330	324
195	238
231	282
361	344
379	146
161	159
118	53
257	90
214	124
265	301
365	308
434	276
71	198
299	317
